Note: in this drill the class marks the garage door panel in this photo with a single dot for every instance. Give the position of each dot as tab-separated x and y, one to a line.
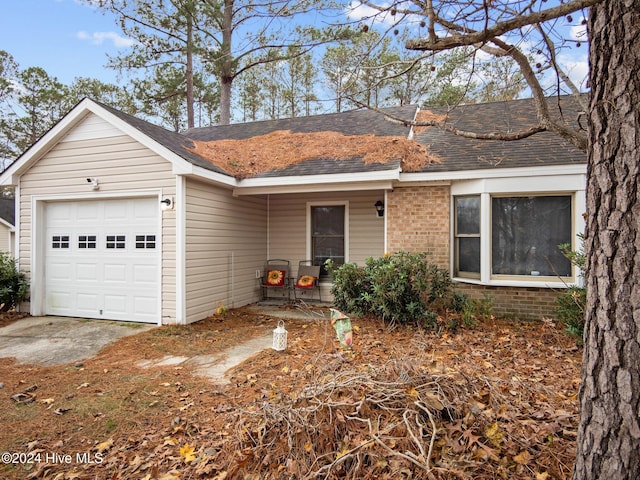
114	303
61	213
115	273
87	272
87	212
87	302
144	305
59	300
60	271
102	259
145	275
116	211
143	213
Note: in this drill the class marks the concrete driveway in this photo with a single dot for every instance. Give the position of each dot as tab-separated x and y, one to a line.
60	340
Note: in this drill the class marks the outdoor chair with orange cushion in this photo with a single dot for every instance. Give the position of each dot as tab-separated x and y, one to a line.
307	280
275	276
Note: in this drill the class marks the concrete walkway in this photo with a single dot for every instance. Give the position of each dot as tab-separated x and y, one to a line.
214	366
60	340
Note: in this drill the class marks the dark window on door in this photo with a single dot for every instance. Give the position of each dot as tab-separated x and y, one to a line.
145	241
115	241
60	241
87	241
327	236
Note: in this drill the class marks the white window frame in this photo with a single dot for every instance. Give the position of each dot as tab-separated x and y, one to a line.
331	203
539	185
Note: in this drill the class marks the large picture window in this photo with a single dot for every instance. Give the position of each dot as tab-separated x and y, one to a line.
525	234
327	235
522	237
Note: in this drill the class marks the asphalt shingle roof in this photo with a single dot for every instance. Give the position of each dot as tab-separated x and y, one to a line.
176	142
353	122
459	153
455	152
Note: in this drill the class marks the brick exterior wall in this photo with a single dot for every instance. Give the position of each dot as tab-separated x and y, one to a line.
519	303
418	220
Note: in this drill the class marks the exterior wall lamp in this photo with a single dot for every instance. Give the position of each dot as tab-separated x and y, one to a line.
166	204
379	208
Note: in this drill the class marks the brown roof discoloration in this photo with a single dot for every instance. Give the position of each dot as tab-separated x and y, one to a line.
281	149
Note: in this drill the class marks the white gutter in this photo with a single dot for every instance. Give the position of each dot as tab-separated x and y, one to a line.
318	183
493	173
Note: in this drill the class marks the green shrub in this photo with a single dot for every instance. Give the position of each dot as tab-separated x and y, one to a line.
570	304
350	289
14	286
403	287
473	310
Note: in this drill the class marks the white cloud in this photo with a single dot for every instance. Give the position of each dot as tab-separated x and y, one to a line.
576	67
579	32
358	11
98	38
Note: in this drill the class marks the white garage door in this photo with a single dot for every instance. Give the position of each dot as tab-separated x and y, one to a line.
102	259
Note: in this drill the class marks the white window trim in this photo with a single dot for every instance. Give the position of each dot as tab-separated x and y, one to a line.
571	184
330	203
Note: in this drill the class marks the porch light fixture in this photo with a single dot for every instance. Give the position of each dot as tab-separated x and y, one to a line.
379	208
166	204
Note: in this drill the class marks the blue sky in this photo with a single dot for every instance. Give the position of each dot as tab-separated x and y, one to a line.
66	38
71	39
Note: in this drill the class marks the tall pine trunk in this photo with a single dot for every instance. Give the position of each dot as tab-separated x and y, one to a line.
189	76
609	434
227	63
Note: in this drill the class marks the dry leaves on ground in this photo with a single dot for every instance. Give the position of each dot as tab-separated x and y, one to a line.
495	402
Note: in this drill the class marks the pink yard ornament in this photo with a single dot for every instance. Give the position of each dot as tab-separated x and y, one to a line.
342	324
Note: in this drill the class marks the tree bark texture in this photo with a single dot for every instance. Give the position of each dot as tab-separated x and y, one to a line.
608	444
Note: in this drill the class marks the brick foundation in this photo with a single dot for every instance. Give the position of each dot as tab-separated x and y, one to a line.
522	303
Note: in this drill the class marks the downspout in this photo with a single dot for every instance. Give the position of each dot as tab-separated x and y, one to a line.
268	226
180	245
384	219
233	279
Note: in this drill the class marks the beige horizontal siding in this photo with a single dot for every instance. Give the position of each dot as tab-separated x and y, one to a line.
5	239
288	225
92	127
95	148
225	245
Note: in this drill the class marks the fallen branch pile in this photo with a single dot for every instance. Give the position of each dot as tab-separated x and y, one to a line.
407	418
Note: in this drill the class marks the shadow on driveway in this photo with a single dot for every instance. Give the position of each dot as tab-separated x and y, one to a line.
60	340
